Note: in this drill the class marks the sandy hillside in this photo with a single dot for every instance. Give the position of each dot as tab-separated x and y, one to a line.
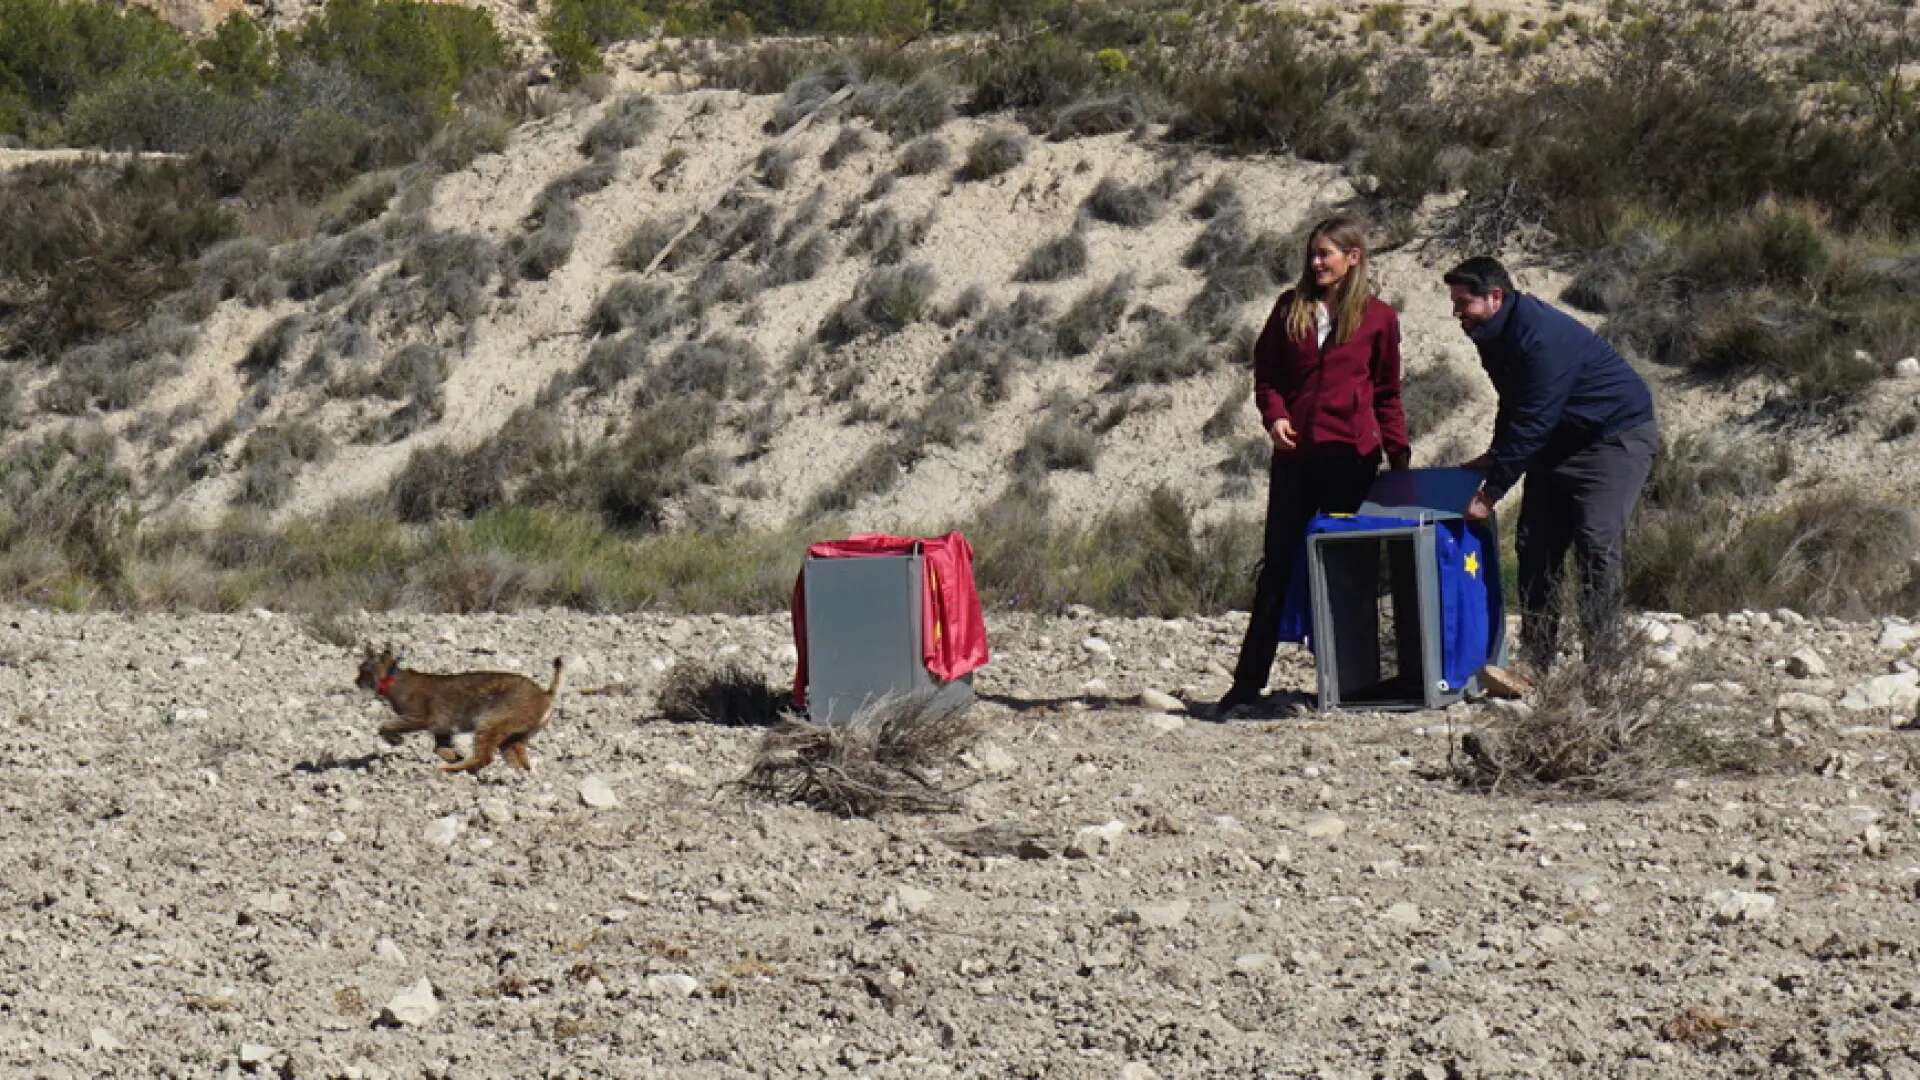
215	868
821	409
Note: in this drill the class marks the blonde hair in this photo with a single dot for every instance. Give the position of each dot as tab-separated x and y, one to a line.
1354	290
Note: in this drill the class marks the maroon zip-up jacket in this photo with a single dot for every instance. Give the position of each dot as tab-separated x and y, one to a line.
1349	395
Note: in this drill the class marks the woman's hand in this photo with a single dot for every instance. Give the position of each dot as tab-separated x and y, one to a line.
1282	432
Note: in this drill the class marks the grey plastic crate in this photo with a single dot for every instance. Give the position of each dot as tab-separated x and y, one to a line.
864	634
1354	668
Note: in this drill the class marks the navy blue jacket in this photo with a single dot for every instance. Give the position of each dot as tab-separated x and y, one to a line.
1561	388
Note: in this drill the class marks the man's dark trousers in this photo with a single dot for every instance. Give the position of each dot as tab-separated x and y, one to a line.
1582	502
1298	489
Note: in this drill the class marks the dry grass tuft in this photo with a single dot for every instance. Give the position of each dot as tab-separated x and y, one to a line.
880	760
727	694
1611	724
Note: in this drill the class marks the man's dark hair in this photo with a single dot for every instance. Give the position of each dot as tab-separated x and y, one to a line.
1480	275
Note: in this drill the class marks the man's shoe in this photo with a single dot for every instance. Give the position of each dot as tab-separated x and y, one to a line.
1236	698
1506	682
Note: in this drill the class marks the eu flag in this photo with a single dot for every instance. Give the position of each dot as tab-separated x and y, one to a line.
1469	603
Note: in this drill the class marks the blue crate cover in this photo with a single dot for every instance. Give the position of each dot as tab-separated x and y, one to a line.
1469	605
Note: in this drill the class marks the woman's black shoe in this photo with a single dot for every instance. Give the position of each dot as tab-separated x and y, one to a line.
1236	698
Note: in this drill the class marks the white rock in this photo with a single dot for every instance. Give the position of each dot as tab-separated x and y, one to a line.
190	662
256	1053
1811	706
1806	664
1873	841
684	773
1402	914
1138	1070
1097	646
1666	657
444	831
672	985
1899	690
335	836
1324	827
1682	635
1249	963
1895	636
1161	916
1160	702
913	901
1907	367
1654	631
389	953
184	714
1165	723
991	759
414	1006
496	811
1739	906
1094	687
1789	616
595	793
1095	840
104	1040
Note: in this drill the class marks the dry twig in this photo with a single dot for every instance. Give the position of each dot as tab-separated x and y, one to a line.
879	760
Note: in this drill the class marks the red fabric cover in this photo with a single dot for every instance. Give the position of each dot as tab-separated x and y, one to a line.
953	632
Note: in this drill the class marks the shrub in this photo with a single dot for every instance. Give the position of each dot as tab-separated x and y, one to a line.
850	141
888	300
1061	257
776	164
1116	203
1104	114
98	247
65	491
727	694
921	107
1612	725
272	459
799	260
1225	418
623	125
272	348
1002	341
415	52
1057	441
631	304
319	266
1036	76
438	481
648	240
1093	316
715	368
1165	352
1280	96
879	760
888	238
632	480
993	153
1431	394
241	268
450	271
922	155
466	138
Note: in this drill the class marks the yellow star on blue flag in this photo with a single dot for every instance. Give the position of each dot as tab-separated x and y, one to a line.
1471	565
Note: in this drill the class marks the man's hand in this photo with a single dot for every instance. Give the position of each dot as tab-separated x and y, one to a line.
1479	508
1282	432
1401	461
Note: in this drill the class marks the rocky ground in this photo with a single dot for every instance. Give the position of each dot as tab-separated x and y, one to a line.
214	867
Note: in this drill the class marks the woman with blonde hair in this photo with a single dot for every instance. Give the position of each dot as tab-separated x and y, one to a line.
1326	379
